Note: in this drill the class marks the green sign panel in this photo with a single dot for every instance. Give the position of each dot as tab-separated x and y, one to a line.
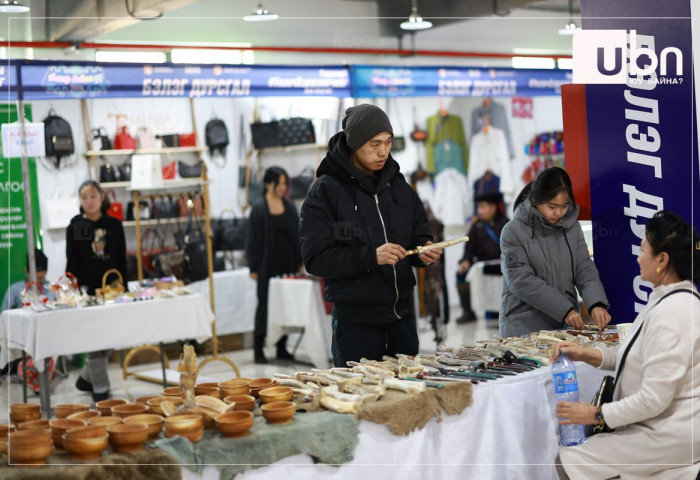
13	218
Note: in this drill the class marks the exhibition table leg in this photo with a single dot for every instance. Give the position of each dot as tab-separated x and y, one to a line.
162	364
44	389
24	377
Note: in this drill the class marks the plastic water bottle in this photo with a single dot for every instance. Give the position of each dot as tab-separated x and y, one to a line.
566	390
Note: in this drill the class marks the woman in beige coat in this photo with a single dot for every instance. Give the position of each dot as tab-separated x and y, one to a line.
652	413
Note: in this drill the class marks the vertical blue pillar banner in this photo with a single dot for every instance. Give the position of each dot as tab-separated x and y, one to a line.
641	135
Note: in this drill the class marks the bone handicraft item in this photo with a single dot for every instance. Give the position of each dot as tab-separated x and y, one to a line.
447	243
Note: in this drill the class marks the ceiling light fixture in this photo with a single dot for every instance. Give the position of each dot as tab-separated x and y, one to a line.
570	28
415	21
12	6
261	14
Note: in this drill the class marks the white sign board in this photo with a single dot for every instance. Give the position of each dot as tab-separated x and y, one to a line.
12	141
146	171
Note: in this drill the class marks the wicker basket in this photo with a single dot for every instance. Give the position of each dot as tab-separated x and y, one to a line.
114	289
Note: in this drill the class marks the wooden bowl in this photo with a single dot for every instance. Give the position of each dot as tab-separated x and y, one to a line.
28	438
127	437
62	411
24	416
172	392
129	409
236	423
25	408
153	422
234	387
259	384
89	431
34	425
59	426
154	404
3	446
278	412
85	448
105	421
34	454
276	394
207	384
243	402
207	390
84	415
189	426
5	430
144	401
105	406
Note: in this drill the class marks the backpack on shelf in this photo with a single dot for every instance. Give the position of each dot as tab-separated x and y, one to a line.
58	137
216	136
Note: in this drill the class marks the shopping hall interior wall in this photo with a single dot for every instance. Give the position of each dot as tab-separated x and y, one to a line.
173	115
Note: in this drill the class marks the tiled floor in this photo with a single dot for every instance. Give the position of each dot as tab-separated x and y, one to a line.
63	389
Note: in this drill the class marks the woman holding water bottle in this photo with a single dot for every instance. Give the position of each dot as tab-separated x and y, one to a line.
652	413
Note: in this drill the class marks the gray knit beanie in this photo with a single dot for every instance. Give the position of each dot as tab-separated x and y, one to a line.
362	123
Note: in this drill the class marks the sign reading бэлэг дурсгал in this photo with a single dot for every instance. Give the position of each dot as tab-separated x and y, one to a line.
641	132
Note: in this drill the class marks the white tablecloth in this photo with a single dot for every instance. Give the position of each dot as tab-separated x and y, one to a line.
485	289
235	300
298	303
509	433
76	330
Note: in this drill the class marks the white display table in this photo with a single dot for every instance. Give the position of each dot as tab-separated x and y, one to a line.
298	303
235	299
77	330
508	433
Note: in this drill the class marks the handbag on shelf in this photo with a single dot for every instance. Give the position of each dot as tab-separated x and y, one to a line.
169	170
116	209
144	211
265	135
302	183
145	139
172	140
100	139
123	140
189	170
183	205
109	173
230	233
196	264
164	207
296	131
125	171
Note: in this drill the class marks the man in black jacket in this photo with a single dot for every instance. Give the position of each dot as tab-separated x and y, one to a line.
357	221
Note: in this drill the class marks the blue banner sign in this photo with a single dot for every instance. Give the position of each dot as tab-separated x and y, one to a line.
641	134
8	81
42	80
382	81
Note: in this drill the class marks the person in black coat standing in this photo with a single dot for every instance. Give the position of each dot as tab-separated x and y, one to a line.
95	243
272	249
357	221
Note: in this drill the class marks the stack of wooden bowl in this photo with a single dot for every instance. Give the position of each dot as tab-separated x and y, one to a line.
86	443
24	412
31	447
188	426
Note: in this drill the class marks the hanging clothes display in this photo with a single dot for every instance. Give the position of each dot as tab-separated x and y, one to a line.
496	114
489	153
452	191
446	145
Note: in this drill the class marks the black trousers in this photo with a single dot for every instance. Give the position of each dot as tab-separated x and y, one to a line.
353	341
260	331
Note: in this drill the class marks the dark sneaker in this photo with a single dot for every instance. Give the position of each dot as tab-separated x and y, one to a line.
98	397
83	385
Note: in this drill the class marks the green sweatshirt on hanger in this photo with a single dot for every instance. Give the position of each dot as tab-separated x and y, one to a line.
445	133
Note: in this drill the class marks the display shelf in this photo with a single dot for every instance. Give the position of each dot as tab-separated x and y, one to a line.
292	148
171	186
106	153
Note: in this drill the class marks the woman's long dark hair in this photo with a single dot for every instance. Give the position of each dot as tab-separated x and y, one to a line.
273	175
667	232
548	184
105	200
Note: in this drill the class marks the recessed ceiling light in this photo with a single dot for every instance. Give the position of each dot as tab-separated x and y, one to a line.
261	14
12	6
415	21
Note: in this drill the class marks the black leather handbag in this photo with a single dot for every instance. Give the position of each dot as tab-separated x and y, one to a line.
265	135
296	131
125	171
164	207
230	233
109	173
302	183
188	170
101	139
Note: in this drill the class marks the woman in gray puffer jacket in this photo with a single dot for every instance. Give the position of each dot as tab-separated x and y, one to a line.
544	259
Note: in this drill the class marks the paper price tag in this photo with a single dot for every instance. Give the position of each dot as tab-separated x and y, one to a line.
13	142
